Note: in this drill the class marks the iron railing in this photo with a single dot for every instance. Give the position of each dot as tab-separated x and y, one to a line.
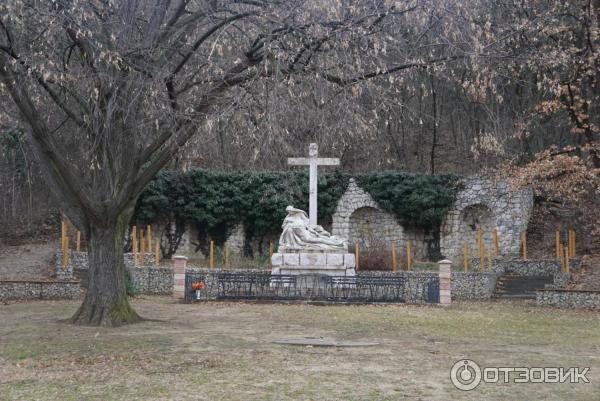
369	288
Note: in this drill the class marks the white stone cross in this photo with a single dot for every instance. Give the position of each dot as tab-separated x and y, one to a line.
313	161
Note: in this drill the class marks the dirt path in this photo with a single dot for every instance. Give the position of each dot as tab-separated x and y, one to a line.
31	261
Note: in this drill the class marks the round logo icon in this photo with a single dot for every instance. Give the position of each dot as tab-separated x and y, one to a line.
465	375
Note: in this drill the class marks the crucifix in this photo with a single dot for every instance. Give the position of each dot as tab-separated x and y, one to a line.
312	161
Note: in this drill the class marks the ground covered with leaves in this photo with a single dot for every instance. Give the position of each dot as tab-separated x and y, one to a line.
224	351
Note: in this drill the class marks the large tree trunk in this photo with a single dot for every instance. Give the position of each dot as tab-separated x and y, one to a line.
105	302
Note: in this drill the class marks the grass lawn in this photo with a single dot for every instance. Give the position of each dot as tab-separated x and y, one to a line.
223	351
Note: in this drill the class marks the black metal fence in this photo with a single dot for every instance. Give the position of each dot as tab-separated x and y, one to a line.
265	286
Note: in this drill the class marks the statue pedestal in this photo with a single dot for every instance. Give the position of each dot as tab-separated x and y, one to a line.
314	263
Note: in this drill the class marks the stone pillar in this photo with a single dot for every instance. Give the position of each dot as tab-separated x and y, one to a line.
445	272
179	266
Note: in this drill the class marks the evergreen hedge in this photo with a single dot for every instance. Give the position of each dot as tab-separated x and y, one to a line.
219	200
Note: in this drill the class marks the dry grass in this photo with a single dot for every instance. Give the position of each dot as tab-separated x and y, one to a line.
223	351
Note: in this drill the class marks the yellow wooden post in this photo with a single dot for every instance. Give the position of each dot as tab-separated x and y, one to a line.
482	256
408	256
78	241
157	253
63	233
357	256
225	255
567	269
134	245
394	261
490	259
66	252
211	255
524	245
466	257
142	247
149	237
270	254
571	243
557	244
496	242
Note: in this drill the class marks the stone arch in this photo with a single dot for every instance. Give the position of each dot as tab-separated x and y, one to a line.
475	218
370	226
488	205
357	214
354	198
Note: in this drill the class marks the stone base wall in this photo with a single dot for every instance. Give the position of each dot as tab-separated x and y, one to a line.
335	264
529	267
472	285
569	299
79	260
30	290
152	280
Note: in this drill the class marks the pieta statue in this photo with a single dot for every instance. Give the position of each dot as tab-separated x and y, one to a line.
299	235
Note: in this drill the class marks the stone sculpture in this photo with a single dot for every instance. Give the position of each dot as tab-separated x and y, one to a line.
299	235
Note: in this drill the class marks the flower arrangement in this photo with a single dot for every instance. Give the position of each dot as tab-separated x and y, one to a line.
197	286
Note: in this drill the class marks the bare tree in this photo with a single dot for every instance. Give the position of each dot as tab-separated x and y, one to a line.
111	90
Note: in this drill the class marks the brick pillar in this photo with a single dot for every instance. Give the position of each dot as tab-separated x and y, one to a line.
445	269
179	265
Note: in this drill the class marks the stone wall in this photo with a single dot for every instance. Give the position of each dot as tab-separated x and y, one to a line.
31	290
575	299
79	260
529	267
486	205
359	218
152	280
473	285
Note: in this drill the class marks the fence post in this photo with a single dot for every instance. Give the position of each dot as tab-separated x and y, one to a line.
571	243
142	247
557	243
524	245
356	256
157	251
270	254
394	261
78	241
63	234
481	253
445	267
497	242
149	237
225	255
179	266
134	245
211	255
